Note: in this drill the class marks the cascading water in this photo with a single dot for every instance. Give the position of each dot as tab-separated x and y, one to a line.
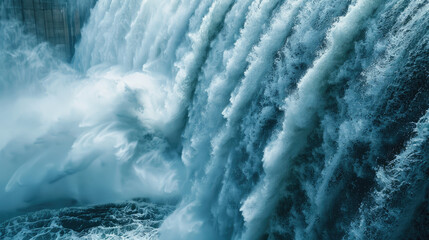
263	119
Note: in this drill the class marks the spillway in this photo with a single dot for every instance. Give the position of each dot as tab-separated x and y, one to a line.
226	119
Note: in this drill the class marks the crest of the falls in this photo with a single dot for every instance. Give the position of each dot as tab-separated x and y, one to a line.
257	119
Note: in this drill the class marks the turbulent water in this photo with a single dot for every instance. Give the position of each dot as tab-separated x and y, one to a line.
252	119
131	220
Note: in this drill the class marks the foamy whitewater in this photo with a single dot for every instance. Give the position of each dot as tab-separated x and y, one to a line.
219	119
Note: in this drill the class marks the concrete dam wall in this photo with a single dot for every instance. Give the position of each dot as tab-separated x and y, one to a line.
58	22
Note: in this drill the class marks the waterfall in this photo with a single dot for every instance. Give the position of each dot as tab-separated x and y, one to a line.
245	119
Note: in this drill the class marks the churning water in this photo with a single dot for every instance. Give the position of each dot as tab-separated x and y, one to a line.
238	119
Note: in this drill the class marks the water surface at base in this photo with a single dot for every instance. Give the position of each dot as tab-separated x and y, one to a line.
136	219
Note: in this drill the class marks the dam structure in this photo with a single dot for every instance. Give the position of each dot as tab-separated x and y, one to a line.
58	22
